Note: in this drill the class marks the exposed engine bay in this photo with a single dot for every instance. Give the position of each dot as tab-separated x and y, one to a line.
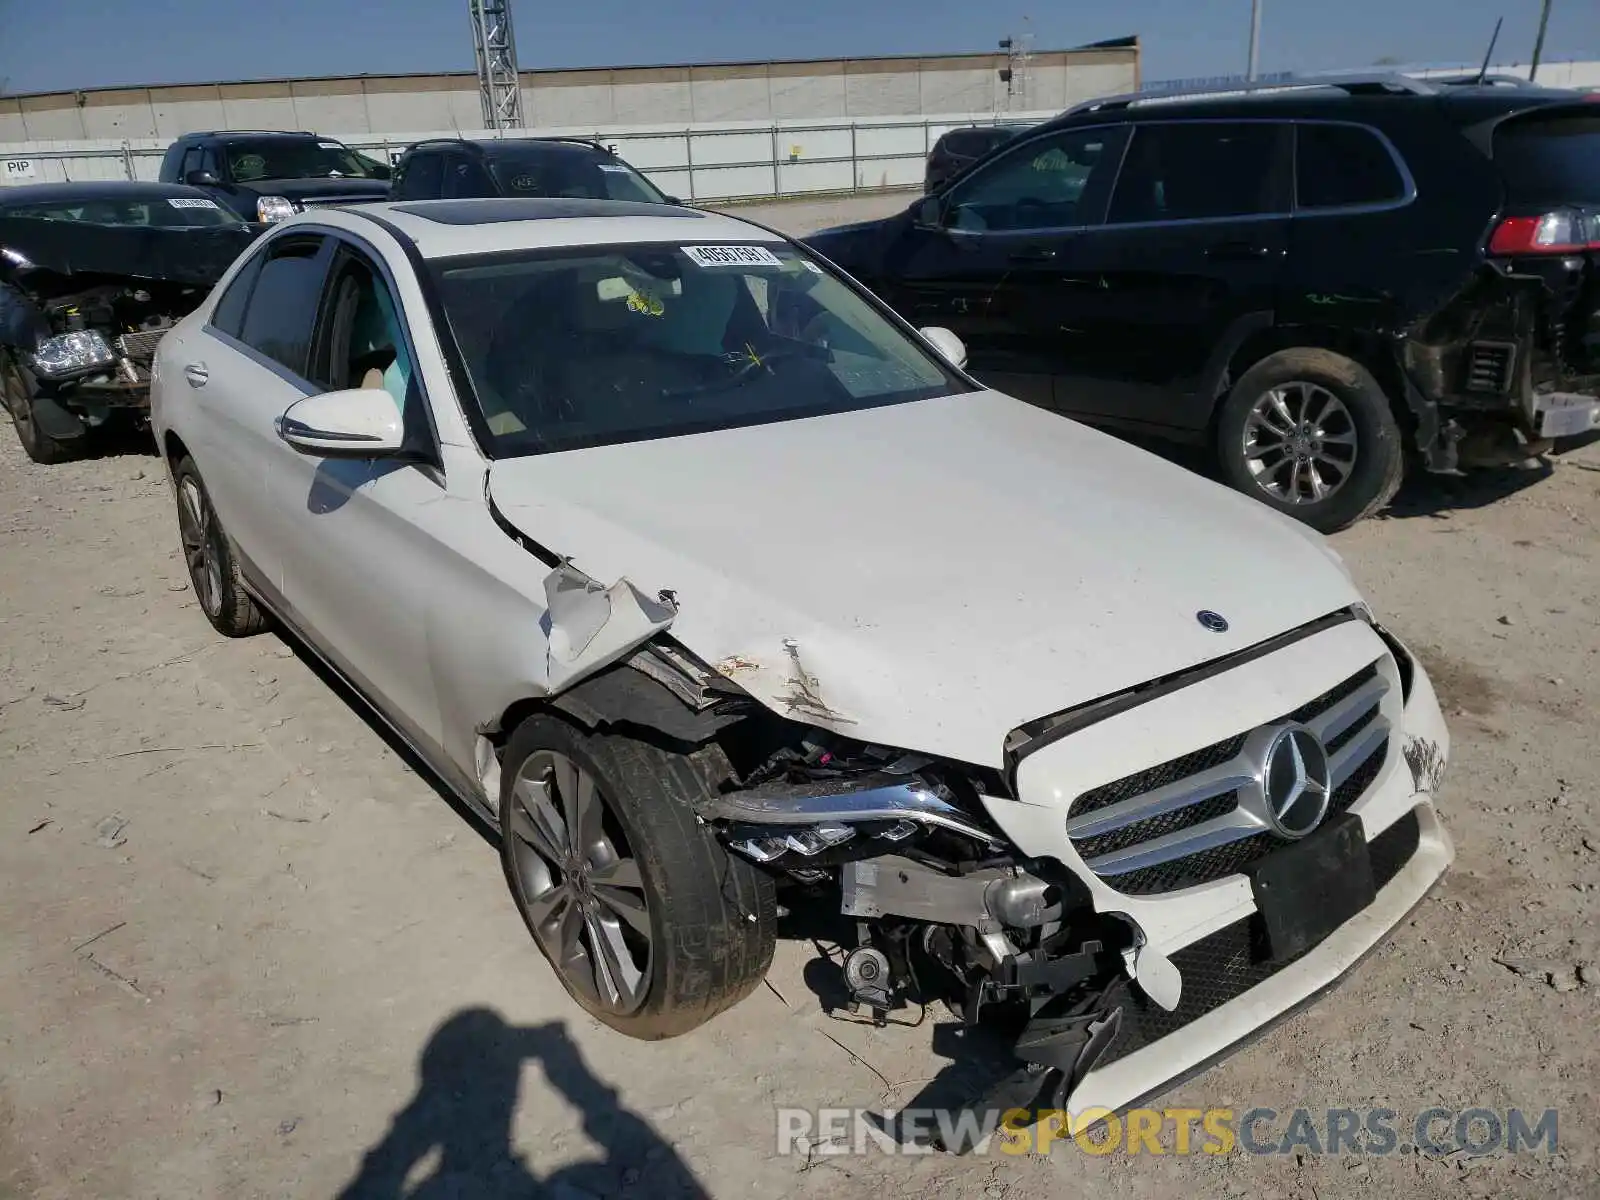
117	328
896	844
82	309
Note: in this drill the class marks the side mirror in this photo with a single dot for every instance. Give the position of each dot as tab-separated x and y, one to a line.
951	348
201	179
356	423
928	213
674	200
379	171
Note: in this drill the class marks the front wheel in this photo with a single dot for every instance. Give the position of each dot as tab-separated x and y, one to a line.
16	389
650	924
1311	433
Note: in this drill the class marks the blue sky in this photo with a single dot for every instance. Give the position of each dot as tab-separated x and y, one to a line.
90	43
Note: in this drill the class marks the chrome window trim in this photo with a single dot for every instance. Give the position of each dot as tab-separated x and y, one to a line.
1294	211
1408	189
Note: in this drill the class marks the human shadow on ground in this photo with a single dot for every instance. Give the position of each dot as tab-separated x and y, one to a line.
456	1133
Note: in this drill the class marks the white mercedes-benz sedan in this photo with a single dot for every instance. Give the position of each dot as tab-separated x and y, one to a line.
714	586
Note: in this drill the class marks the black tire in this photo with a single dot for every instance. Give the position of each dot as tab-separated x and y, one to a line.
208	553
711	917
16	386
1379	448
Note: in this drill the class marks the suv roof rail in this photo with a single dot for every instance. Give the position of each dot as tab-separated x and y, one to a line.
200	133
1351	84
594	143
1471	79
458	140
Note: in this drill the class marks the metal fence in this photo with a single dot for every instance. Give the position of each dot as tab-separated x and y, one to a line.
697	162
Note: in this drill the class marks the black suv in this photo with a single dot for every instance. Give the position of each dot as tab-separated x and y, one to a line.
958	149
452	168
1307	277
265	175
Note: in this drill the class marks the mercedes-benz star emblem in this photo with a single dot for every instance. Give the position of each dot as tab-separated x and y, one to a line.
1215	622
1294	781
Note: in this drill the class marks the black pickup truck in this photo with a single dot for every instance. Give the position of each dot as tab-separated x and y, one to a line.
263	176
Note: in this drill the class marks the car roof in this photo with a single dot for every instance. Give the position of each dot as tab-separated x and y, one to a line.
578	147
1306	101
447	228
198	135
102	189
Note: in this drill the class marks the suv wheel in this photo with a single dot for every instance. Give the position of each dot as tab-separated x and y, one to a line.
650	924
16	389
1311	433
213	569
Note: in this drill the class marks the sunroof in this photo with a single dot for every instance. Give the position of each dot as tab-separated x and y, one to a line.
530	208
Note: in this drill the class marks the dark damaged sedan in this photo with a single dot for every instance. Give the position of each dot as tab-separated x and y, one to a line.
91	276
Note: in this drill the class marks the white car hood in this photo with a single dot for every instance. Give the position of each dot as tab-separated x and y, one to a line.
944	570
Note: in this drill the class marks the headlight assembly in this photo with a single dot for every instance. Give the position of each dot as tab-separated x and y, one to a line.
72	354
271	209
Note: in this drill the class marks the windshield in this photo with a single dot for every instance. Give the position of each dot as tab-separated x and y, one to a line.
161	212
611	344
296	158
574	173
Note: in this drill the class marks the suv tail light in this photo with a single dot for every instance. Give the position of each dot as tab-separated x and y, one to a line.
1560	231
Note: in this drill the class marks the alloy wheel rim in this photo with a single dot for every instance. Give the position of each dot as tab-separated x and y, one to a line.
579	883
199	551
1299	443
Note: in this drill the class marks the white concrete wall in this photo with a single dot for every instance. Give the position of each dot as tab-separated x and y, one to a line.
822	90
697	161
1584	75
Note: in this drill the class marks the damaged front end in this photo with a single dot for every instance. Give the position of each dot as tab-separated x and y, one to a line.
942	904
83	308
897	844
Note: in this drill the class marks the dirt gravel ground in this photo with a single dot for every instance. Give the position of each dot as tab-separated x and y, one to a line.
247	950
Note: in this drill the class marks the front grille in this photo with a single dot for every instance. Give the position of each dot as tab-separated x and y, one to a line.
141	343
1225	965
1489	367
1178	824
336	201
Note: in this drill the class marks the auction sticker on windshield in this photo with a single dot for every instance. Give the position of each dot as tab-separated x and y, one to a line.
732	256
186	202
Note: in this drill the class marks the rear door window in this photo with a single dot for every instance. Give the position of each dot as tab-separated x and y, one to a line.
1203	170
283	303
1340	166
1550	157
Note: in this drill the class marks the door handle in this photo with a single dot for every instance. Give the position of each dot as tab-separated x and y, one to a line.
196	374
1033	254
1238	251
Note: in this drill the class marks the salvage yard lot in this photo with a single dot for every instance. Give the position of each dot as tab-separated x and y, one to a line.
247	950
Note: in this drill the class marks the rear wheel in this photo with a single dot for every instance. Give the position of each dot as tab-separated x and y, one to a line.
648	921
213	568
16	386
1311	433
